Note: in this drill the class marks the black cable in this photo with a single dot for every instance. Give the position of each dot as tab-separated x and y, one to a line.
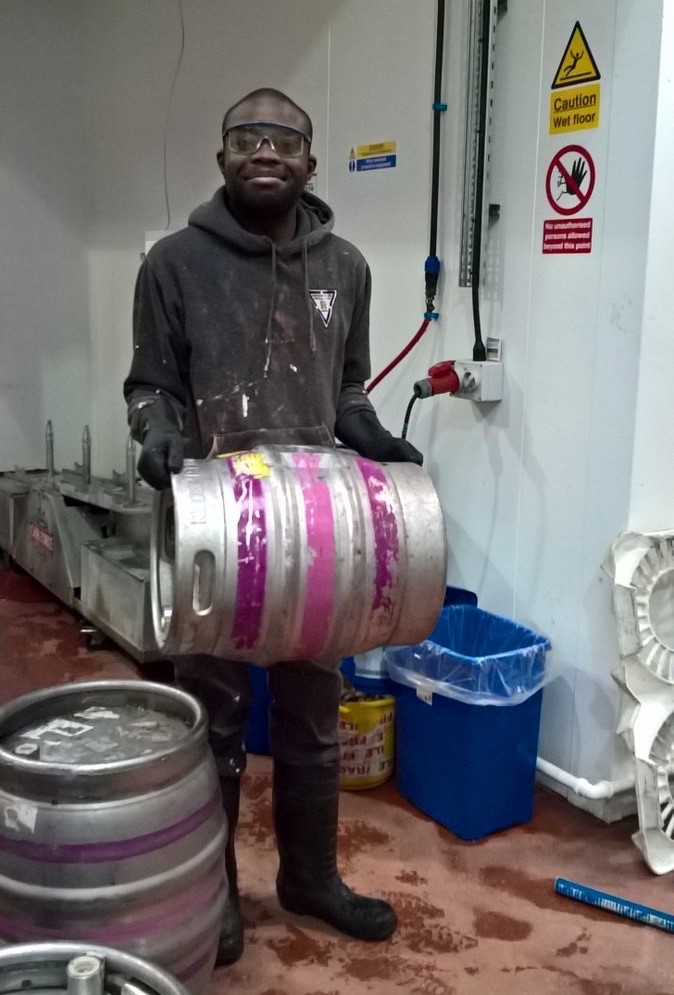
479	351
168	111
406	422
437	112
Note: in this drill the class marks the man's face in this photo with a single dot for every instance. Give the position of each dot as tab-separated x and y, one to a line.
265	182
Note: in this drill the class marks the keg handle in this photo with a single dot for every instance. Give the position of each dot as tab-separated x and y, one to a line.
203	582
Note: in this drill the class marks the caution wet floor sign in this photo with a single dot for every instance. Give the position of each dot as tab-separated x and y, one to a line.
574	107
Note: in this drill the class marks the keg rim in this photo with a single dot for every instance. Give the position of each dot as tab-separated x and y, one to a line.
24	956
21	708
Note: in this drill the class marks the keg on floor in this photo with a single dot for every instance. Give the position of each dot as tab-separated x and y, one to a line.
296	553
80	969
111	824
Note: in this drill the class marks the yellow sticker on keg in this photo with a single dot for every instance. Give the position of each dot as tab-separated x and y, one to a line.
252	464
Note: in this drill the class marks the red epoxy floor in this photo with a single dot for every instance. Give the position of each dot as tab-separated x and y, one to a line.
475	918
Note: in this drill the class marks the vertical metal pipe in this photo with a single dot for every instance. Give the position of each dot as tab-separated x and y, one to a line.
481	41
130	471
86	456
49	443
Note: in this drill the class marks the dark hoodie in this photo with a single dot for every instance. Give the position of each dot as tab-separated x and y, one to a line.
249	341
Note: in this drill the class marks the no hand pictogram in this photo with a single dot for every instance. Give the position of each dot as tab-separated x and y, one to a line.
570	179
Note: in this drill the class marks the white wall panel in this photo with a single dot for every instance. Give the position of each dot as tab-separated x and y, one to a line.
44	332
380	89
652	498
584	315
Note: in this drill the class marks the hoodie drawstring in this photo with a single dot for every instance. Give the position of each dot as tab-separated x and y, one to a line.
305	266
270	317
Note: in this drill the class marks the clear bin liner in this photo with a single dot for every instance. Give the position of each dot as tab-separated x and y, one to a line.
473	656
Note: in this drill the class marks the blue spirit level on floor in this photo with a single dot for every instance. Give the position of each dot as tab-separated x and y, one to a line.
611	903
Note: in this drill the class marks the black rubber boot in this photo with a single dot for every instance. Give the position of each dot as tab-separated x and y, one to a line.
230	945
306	805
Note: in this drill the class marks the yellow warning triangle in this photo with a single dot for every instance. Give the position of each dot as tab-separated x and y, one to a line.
577	65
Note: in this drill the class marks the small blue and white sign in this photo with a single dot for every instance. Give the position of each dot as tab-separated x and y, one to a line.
378	155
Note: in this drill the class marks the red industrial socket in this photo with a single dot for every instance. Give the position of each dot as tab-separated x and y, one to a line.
442	379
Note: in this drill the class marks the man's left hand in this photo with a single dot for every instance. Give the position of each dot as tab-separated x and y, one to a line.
361	430
393	450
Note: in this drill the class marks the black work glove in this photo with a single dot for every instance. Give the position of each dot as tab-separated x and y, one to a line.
162	445
361	430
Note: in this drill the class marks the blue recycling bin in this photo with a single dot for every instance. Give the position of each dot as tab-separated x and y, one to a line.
379	682
467	720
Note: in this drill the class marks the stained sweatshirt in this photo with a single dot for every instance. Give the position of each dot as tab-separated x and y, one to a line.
251	342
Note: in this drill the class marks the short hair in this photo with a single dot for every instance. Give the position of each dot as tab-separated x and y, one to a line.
268	91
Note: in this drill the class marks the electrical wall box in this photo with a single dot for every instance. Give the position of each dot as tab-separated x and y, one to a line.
480	381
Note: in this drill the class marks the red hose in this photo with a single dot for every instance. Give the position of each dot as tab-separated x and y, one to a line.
401	355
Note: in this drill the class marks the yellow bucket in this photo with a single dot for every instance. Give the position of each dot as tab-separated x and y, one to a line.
366	741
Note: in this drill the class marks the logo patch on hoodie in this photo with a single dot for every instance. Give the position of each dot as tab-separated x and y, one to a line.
324	301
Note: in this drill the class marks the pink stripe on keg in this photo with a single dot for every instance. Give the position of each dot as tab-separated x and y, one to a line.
206	959
320	578
162	919
252	559
385	528
97	853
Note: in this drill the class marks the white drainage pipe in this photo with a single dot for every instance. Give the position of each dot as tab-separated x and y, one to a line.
581	786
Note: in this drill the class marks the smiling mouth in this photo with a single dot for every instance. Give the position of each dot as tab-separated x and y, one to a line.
266	178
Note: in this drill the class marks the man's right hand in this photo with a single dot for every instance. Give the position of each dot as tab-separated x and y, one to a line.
161	455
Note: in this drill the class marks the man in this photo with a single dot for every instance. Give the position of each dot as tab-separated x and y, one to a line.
251	327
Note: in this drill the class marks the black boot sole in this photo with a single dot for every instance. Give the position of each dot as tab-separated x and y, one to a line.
354	921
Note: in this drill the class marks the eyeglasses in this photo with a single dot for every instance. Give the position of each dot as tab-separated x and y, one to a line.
245	139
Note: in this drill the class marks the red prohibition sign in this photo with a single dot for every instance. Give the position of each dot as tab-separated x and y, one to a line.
576	172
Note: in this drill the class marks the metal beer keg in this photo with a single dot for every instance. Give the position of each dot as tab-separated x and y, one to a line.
80	969
296	553
111	823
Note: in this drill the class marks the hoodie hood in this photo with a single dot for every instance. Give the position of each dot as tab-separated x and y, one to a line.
315	220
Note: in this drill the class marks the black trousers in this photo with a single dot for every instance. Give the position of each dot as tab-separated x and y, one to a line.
303	715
